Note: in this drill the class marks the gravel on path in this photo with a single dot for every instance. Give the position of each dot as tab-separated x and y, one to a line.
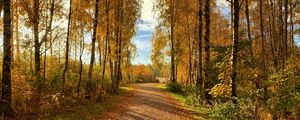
148	102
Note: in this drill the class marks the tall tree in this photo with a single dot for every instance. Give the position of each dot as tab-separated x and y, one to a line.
281	35
90	73
80	58
286	14
173	77
118	51
248	28
111	64
107	7
17	24
235	45
272	28
262	38
7	61
33	12
67	49
207	50
199	81
51	3
189	79
37	59
117	41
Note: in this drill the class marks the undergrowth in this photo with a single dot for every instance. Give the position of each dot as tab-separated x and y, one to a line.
189	100
88	110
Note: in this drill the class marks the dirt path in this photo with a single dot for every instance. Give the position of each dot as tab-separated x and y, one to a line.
149	103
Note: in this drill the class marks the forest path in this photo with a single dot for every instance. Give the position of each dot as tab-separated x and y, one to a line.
149	102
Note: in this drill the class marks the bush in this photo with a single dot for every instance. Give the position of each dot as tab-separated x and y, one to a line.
55	82
284	91
225	111
192	96
174	87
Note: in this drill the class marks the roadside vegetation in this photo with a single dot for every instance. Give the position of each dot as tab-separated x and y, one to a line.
236	59
90	111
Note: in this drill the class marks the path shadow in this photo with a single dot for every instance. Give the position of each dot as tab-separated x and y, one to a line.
150	103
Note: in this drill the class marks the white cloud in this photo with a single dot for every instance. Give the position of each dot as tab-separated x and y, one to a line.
222	3
147	13
146	26
149	17
144	36
142	44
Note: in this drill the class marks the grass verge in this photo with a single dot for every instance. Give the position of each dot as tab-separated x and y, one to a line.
198	112
90	111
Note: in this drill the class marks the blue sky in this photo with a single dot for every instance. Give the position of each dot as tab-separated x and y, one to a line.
145	29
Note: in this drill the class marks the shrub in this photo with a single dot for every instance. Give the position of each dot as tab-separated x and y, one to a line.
225	111
174	87
55	82
192	96
284	91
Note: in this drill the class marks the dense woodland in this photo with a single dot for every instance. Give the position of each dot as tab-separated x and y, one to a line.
241	60
46	43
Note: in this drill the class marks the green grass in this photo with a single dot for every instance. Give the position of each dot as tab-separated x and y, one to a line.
162	86
91	111
126	88
198	112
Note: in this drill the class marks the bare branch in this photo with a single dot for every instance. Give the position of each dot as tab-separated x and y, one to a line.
28	10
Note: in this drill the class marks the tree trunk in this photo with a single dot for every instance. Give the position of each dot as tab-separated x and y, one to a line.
31	62
12	35
286	30
173	77
292	31
90	73
106	37
263	54
234	53
7	61
207	81
281	34
248	28
190	44
59	56
80	60
37	58
45	60
106	42
111	66
51	48
273	33
199	82
117	35
67	50
17	35
119	71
